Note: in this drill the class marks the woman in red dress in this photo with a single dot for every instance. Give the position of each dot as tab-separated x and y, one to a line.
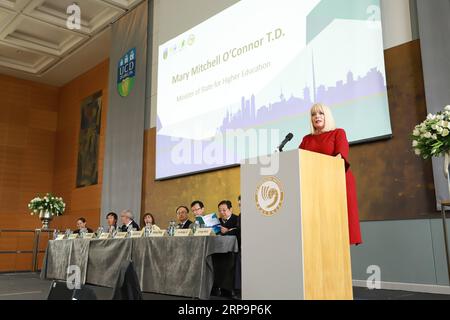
326	139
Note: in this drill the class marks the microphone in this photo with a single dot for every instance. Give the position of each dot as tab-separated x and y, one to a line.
286	140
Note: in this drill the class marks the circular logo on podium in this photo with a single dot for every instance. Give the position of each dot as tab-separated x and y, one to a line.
269	196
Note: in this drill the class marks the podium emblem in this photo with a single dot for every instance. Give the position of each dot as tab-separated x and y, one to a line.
269	196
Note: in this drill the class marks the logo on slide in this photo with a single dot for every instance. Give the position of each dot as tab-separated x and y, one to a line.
126	73
179	46
269	196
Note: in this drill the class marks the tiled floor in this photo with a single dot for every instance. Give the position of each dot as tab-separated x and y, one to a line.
29	286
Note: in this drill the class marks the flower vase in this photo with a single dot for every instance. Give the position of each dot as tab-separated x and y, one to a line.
45	216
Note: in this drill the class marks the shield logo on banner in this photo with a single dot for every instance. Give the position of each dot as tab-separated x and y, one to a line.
126	73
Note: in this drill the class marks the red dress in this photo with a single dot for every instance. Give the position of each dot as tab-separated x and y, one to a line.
333	143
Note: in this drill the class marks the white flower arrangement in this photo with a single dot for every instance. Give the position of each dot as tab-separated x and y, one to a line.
431	138
54	205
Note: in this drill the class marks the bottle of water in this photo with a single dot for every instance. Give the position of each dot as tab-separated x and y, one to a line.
129	229
148	230
171	230
55	234
99	232
83	232
196	226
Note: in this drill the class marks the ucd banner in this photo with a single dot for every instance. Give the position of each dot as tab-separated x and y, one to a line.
124	136
126	73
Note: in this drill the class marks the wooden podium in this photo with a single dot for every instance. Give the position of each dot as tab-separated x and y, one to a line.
295	239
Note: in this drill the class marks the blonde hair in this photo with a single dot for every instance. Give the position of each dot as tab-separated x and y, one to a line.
330	125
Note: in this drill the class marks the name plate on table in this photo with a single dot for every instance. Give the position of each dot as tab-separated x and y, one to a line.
137	234
104	236
204	232
158	233
60	237
120	235
88	236
73	236
183	232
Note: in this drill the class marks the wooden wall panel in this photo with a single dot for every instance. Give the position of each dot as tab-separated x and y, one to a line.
81	202
28	114
393	183
39	128
8	262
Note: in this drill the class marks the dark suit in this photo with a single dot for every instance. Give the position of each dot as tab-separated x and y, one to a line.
232	223
187	224
225	265
124	228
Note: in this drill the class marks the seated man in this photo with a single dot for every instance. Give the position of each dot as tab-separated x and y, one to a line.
229	222
198	209
225	264
182	215
81	224
126	216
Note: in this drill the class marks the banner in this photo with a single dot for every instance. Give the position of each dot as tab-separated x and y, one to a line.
122	172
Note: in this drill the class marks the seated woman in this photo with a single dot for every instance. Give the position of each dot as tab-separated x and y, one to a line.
81	225
149	221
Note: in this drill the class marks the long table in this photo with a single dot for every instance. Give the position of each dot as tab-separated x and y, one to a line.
181	266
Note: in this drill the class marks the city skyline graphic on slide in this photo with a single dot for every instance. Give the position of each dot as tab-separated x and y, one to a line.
249	115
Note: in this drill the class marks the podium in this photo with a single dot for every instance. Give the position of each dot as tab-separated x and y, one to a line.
295	238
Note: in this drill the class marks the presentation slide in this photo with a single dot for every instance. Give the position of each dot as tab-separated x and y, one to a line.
234	86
